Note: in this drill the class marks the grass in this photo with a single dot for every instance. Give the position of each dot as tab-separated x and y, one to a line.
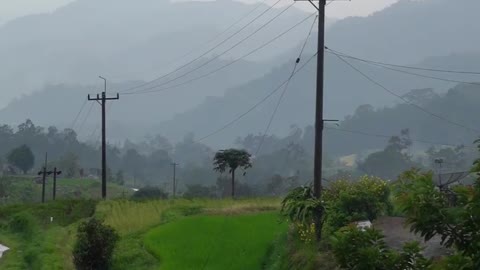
215	242
50	243
129	217
290	253
22	189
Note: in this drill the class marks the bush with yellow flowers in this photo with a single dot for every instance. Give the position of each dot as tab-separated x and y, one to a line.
364	199
306	232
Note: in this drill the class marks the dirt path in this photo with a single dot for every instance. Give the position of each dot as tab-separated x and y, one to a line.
396	233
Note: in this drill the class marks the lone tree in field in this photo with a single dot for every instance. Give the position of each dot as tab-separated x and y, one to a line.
22	158
232	159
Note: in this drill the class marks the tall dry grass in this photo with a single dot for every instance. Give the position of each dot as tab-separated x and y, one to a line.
135	216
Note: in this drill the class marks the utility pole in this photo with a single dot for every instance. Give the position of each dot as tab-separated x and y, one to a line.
439	161
44	174
102	100
55	173
319	121
174	165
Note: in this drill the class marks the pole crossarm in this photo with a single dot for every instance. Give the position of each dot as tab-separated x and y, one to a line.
102	100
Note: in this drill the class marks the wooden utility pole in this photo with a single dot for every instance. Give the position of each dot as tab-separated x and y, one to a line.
44	174
55	173
102	100
174	165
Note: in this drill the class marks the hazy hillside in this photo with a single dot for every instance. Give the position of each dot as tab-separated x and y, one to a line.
141	51
410	30
121	40
345	90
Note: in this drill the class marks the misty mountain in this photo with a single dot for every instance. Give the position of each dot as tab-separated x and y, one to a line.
409	30
124	40
205	105
345	90
130	116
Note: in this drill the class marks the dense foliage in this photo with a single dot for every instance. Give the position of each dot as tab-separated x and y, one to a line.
95	244
365	199
432	212
356	249
22	158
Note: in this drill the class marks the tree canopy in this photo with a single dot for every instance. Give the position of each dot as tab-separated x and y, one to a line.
22	157
231	159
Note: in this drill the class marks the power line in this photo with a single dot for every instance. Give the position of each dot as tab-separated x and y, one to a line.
78	115
150	89
267	128
205	53
385	66
424	76
224	52
402	98
256	104
221	33
389	136
85	119
403	66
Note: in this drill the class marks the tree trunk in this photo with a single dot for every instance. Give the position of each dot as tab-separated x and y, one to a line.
233	184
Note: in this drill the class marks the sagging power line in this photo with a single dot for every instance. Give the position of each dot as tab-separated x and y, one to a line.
153	89
297	61
222	53
406	101
205	53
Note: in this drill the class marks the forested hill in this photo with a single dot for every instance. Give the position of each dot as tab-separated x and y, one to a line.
206	105
455	122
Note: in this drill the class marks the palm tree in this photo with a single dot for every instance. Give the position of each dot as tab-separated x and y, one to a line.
232	159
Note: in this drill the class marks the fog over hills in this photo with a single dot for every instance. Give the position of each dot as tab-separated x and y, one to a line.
75	44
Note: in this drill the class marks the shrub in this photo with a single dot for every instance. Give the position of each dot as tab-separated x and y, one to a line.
363	250
147	193
23	223
95	244
300	205
347	202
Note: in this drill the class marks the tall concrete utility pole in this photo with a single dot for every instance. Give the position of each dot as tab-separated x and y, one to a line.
102	100
319	121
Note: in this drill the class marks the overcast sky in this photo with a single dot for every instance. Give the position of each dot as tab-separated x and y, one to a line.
10	9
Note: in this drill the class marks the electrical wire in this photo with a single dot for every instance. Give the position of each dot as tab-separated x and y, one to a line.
224	52
153	88
389	136
403	66
384	66
85	119
221	33
423	76
475	131
297	61
78	114
255	105
205	53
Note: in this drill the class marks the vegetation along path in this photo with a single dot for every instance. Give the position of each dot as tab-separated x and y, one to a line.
215	242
